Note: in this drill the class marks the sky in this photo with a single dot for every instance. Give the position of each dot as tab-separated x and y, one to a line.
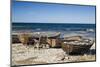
35	12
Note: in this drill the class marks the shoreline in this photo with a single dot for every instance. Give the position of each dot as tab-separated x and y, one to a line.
21	53
24	55
63	33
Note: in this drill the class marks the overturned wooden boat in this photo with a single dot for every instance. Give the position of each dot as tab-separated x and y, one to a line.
79	46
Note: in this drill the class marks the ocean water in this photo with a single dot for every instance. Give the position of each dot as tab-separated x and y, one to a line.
87	30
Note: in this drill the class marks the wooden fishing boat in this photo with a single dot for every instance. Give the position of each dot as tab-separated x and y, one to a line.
51	38
76	47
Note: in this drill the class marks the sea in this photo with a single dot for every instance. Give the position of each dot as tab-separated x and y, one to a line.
66	29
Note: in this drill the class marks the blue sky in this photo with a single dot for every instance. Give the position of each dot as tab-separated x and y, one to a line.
30	12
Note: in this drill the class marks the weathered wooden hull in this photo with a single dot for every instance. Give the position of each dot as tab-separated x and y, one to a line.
75	49
52	38
15	39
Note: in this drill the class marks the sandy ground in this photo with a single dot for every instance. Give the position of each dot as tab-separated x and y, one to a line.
22	55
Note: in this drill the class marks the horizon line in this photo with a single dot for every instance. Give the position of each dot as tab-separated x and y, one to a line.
52	23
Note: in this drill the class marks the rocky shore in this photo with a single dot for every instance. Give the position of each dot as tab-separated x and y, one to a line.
22	55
